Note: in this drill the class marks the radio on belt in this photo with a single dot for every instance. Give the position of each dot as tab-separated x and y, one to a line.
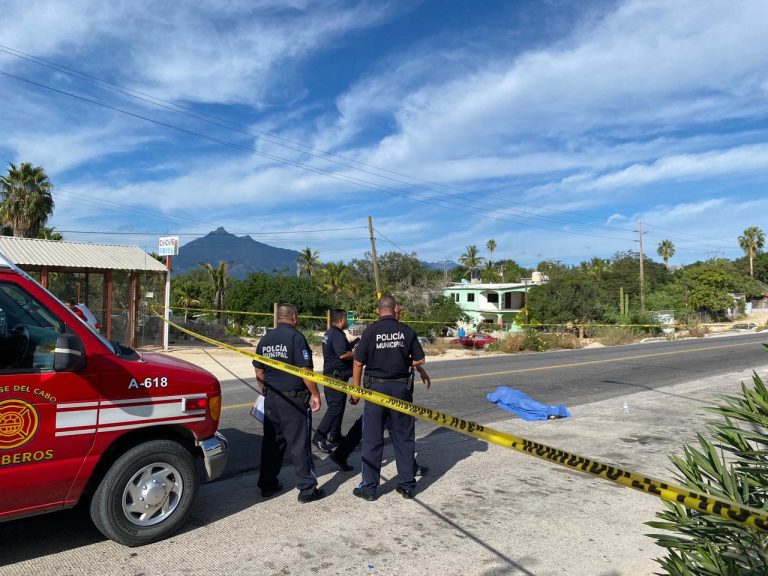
83	418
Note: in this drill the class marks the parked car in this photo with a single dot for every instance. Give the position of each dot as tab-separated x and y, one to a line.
477	340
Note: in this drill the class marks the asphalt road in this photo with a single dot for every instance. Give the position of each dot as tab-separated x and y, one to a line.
570	377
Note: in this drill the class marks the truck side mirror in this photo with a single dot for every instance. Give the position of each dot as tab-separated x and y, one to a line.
69	355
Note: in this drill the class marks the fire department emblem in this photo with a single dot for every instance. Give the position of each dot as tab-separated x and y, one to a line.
18	423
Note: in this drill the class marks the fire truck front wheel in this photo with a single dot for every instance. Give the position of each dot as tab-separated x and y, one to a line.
146	494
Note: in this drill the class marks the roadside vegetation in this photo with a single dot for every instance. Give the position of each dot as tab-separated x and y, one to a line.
598	300
731	462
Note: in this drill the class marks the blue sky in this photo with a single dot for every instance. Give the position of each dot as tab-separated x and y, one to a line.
553	127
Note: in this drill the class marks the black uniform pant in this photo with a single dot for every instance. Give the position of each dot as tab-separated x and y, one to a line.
330	425
402	430
351	440
287	424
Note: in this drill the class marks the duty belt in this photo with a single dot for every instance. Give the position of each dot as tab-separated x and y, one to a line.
290	393
368	380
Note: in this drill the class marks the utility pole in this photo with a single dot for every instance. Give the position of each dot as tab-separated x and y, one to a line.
642	276
375	259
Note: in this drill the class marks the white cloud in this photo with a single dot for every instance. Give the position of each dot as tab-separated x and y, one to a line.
204	52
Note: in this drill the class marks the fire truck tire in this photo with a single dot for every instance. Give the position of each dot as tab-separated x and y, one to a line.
147	493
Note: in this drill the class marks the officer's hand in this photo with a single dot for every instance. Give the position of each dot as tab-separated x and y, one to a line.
353	400
314	402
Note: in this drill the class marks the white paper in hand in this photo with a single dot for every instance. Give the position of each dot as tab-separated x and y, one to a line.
258	409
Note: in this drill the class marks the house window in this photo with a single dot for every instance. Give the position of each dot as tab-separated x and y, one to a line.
455	296
470	297
493	298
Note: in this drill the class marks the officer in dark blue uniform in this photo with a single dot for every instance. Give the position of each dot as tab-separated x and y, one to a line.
337	363
288	405
388	349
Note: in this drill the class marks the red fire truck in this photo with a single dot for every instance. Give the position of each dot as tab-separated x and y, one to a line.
81	417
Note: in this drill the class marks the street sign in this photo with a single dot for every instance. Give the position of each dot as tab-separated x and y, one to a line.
169	246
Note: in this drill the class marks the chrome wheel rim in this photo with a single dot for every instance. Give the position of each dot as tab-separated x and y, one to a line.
152	494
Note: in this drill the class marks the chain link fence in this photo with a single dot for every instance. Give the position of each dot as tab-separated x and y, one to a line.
89	289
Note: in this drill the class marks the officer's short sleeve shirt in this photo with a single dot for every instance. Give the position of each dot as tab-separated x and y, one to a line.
335	344
388	349
288	345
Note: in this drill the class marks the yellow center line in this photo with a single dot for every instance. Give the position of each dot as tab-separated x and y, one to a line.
561	366
591	362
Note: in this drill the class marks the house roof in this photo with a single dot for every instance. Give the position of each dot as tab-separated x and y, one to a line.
34	252
506	286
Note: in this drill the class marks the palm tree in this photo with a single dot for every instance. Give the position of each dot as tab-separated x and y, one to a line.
335	280
309	262
185	298
218	277
596	268
752	242
25	193
50	233
470	258
666	250
491	245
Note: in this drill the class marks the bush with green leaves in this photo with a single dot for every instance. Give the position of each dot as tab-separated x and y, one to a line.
733	465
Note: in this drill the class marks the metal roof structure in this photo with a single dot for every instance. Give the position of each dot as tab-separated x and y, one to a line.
27	252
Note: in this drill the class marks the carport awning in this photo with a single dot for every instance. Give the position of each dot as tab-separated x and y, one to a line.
27	252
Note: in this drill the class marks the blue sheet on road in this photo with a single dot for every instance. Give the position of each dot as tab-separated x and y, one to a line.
524	406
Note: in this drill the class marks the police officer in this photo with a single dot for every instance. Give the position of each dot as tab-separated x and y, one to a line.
337	363
288	405
388	349
354	435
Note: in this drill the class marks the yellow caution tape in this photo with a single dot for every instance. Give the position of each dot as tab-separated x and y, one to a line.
699	501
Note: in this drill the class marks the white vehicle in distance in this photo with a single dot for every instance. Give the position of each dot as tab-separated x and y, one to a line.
84	313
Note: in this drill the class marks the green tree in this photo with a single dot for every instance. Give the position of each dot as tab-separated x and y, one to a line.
666	249
185	297
490	274
752	242
707	285
50	233
258	292
491	246
219	277
511	271
471	258
400	271
566	298
334	280
309	262
596	268
25	199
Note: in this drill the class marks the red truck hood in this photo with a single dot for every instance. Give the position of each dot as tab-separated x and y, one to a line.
192	372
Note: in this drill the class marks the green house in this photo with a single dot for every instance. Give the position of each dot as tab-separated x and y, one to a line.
496	303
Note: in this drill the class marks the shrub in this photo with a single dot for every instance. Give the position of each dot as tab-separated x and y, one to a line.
510	344
562	341
437	347
698	331
533	341
734	467
615	335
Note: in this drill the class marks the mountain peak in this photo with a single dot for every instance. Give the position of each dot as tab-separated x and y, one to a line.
244	254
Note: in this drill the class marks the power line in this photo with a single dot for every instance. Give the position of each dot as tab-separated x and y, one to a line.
270	233
391	242
460	207
276	139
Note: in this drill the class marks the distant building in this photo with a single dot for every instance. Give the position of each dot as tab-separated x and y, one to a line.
493	303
